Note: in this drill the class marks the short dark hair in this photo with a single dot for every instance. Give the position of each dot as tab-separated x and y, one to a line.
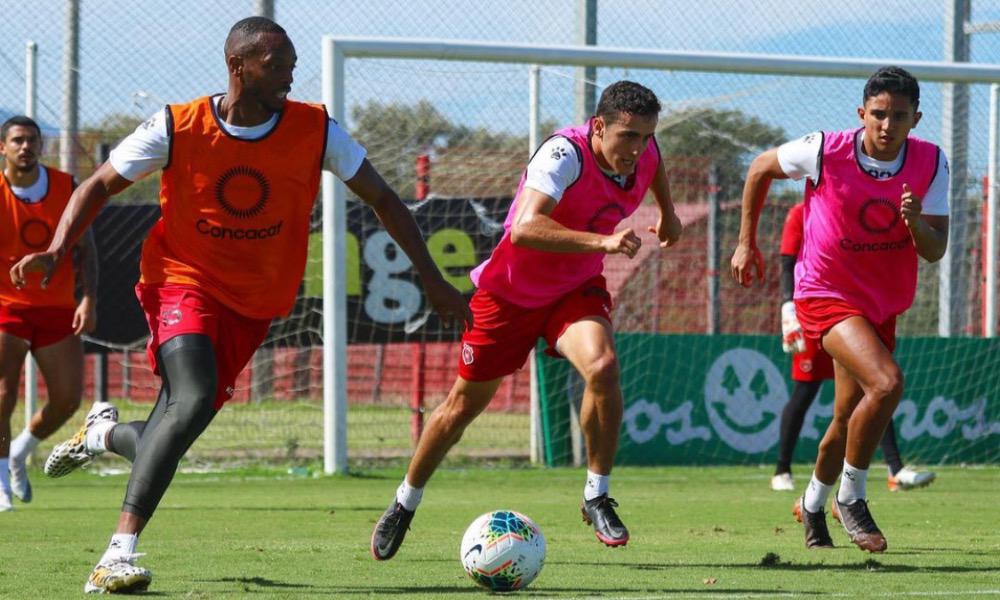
627	97
244	35
894	80
15	121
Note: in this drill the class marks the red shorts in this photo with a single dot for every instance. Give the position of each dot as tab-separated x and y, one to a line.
503	333
812	364
817	316
39	326
173	310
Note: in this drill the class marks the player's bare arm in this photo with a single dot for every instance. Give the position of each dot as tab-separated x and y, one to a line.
930	232
534	228
668	227
747	260
397	220
85	316
84	204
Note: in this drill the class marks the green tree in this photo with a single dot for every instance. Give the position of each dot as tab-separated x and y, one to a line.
729	138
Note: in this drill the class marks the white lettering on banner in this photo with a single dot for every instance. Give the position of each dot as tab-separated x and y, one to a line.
389	299
744	396
642	411
942	416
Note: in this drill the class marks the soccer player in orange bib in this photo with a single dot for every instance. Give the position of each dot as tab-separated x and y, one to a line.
240	173
811	365
873	205
46	321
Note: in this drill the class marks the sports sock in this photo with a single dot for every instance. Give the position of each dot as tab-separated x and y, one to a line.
122	545
409	496
23	445
852	484
5	474
816	495
96	441
597	485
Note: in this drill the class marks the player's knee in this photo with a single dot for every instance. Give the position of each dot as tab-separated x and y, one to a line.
888	384
603	372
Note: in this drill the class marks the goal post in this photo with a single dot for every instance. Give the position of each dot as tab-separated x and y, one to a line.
337	50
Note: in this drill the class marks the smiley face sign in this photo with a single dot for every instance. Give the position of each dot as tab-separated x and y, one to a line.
744	396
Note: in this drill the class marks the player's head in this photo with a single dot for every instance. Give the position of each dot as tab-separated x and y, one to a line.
625	121
20	143
260	57
889	110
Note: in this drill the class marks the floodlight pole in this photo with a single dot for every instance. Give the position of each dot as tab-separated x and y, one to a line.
30	104
992	200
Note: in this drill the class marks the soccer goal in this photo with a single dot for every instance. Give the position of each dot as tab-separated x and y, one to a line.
450	126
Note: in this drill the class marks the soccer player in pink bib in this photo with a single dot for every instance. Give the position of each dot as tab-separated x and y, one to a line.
544	280
875	199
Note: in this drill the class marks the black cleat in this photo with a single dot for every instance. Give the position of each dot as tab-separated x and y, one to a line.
390	531
859	524
600	512
817	534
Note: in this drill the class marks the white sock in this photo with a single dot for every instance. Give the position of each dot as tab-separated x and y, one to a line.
852	484
409	496
816	495
597	485
5	474
97	436
121	546
23	445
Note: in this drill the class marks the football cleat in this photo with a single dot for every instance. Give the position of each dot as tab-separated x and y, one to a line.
860	525
72	454
817	533
909	479
118	577
19	484
782	482
600	512
390	531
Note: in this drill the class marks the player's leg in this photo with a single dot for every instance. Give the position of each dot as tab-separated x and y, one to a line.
857	347
12	352
187	365
792	417
588	344
901	477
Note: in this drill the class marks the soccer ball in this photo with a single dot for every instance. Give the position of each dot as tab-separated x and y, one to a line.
503	551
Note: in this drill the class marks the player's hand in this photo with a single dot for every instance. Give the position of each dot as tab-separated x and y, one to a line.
910	208
39	262
668	230
448	303
745	261
793	340
85	317
622	242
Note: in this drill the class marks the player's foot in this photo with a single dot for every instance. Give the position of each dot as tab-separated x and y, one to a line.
817	533
5	504
782	482
19	484
908	479
72	454
860	525
390	531
600	512
118	577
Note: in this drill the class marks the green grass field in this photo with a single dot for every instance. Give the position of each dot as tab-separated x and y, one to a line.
696	533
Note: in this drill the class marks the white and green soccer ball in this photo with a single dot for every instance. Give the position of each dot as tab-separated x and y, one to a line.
503	550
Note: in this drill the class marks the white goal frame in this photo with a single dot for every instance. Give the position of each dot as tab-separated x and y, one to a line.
335	50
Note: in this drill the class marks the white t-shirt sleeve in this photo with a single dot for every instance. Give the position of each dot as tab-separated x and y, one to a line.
554	167
800	158
145	150
343	154
936	201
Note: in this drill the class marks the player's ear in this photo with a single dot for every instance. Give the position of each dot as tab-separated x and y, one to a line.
861	113
916	117
599	126
234	64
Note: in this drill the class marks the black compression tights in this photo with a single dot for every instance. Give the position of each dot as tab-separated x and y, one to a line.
185	407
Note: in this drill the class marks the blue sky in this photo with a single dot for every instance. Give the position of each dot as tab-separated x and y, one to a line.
137	55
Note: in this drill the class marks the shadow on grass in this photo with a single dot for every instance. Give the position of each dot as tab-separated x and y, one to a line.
870	564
